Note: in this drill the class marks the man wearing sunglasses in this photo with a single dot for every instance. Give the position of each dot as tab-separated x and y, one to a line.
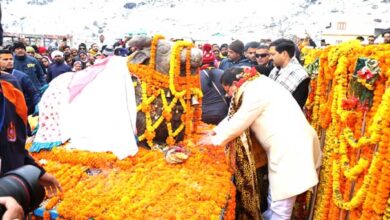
263	58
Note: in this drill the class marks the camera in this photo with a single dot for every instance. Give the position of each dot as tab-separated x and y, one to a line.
22	184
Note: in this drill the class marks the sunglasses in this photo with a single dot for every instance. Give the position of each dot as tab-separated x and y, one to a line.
262	55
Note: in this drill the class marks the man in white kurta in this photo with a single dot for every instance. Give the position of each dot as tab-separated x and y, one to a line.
290	142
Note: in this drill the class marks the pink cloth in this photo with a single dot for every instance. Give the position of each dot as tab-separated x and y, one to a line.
84	77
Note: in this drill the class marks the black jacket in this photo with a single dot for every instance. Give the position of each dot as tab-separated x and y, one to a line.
30	92
56	69
13	117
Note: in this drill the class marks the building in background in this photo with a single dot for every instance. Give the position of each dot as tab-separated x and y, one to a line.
344	28
36	39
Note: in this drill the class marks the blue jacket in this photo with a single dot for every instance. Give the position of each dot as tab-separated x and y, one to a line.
30	92
212	102
32	68
56	69
226	63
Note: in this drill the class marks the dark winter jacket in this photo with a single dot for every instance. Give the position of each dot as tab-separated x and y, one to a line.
30	92
56	69
32	68
13	119
214	104
226	63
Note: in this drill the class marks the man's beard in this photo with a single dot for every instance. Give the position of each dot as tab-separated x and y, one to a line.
8	70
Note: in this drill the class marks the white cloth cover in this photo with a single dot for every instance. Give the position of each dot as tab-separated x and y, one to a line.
51	107
102	117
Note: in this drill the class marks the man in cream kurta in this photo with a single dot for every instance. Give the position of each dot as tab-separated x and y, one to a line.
290	142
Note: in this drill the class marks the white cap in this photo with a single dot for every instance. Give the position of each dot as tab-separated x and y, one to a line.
56	53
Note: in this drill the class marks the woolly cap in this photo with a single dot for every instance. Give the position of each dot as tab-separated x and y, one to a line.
237	46
30	49
19	45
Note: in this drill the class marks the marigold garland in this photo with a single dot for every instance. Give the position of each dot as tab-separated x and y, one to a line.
46	215
355	178
154	84
142	187
230	211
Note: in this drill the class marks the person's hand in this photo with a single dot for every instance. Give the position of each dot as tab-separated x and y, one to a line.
205	141
207	132
210	133
14	210
50	183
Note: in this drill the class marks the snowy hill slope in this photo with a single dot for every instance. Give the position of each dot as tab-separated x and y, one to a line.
198	19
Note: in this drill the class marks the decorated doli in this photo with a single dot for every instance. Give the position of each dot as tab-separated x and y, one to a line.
349	106
167	176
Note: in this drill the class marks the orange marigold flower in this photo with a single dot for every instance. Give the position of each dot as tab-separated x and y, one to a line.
170	141
167	115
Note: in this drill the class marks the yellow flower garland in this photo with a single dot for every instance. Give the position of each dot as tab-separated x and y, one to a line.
141	187
154	84
346	140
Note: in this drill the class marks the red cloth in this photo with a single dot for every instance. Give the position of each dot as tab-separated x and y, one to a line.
41	50
208	55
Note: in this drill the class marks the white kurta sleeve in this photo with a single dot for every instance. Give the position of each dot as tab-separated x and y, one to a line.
221	125
252	106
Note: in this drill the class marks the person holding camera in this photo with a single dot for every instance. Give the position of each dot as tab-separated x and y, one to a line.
13	121
14	210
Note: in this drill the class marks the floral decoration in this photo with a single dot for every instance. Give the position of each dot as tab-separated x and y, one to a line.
349	109
182	88
141	187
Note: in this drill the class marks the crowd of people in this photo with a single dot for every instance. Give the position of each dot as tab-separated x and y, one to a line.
254	91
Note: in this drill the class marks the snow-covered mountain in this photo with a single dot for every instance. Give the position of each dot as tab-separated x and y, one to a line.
213	20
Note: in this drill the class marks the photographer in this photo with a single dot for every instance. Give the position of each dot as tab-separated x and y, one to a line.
14	210
13	119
